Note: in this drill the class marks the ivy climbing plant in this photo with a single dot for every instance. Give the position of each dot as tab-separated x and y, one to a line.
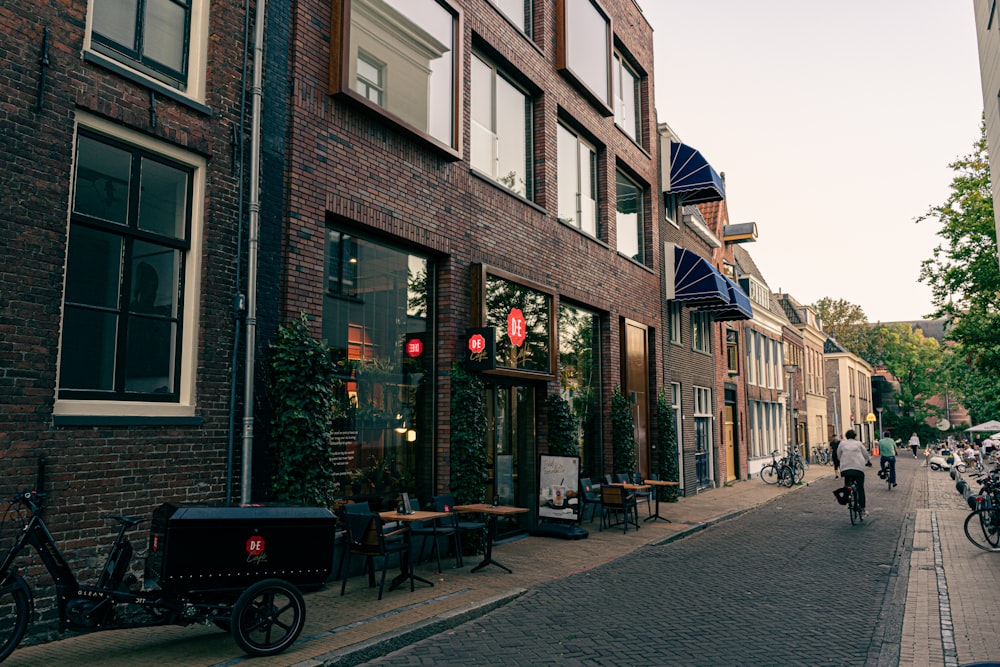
562	427
666	446
622	433
304	389
468	437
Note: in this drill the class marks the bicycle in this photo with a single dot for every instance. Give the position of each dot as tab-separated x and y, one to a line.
793	459
264	617
884	475
777	472
854	503
821	456
982	526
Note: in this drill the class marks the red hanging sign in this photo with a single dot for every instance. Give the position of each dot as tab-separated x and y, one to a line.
516	327
414	347
255	545
477	344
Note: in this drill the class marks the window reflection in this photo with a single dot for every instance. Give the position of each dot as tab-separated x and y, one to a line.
402	55
580	377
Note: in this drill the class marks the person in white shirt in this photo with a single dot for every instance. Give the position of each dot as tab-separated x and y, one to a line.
914	444
854	458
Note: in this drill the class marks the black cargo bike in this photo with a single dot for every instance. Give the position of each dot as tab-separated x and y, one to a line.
239	568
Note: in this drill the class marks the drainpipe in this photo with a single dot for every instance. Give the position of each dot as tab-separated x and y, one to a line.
253	242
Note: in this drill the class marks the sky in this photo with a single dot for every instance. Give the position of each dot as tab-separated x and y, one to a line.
834	124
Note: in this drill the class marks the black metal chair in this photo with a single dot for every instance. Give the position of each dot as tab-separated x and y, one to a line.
589	498
617	500
642	496
431	531
366	536
446	503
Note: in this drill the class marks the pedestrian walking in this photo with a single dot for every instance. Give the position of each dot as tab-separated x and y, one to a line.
914	444
833	454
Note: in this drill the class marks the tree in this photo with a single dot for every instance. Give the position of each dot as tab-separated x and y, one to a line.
916	361
846	322
964	278
622	433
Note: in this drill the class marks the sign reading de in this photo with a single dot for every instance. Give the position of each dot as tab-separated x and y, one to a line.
516	327
480	349
255	550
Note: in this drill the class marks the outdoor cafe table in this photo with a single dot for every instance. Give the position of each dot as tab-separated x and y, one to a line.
393	515
659	483
491	512
634	487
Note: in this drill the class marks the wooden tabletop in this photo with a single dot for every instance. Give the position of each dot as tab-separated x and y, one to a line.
660	482
420	515
631	487
491	509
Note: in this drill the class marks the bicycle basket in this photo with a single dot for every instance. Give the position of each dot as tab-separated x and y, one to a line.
843	494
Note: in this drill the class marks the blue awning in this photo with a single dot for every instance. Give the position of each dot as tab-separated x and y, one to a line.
692	178
738	308
696	282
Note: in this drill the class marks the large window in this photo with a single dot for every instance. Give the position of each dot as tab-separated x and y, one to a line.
518	11
577	181
674	321
631	239
522	317
125	332
400	57
732	351
501	122
585	38
701	335
626	89
377	323
163	39
580	378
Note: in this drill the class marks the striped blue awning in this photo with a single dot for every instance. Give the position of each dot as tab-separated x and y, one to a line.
738	308
696	282
692	178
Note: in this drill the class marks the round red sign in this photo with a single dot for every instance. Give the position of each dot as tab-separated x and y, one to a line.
414	347
255	545
477	343
516	327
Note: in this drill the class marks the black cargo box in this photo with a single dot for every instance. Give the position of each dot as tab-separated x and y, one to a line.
206	547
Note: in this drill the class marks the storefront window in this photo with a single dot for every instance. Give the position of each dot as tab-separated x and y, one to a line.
376	319
522	317
580	378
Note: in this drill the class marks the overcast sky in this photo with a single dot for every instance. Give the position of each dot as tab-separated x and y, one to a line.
834	123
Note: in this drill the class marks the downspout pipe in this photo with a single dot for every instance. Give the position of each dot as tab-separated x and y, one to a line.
253	243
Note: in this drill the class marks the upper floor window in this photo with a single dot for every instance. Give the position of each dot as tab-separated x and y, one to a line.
577	164
700	333
584	47
130	271
631	240
626	90
501	122
400	58
674	324
518	11
732	351
155	37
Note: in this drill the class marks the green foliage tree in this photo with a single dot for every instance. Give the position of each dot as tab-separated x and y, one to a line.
562	427
846	322
304	393
468	437
666	445
965	280
622	432
917	362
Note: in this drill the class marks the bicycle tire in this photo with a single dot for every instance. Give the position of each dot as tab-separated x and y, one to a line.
786	477
268	617
800	473
769	473
15	610
853	506
982	527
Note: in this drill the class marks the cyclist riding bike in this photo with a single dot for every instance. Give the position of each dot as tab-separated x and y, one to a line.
854	458
887	452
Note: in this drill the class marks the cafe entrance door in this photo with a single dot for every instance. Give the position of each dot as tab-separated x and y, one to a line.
510	451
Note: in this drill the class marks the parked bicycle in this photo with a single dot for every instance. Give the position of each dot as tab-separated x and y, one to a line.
821	455
777	471
982	526
264	613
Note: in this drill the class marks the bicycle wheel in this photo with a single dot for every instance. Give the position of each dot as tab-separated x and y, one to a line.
268	617
769	474
982	527
854	506
800	472
786	477
15	612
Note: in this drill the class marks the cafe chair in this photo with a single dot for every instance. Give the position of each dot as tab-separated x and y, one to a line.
608	479
589	498
430	531
642	496
367	536
446	503
618	501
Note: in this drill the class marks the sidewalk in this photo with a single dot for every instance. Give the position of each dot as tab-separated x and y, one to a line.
356	627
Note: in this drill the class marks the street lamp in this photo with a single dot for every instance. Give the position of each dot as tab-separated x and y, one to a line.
836	412
791	370
880	431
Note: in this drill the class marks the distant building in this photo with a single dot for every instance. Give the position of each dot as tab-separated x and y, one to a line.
988	33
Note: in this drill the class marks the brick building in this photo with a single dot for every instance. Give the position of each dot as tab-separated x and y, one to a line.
119	231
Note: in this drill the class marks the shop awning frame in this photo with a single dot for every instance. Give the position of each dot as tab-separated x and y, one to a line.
738	308
696	282
692	178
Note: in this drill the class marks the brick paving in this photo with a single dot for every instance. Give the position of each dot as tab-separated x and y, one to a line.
357	627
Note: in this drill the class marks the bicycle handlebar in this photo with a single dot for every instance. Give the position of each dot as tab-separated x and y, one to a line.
34	500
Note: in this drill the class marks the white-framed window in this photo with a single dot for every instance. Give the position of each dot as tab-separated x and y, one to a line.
586	47
628	218
674	313
501	127
626	91
701	334
370	80
675	404
128	343
164	40
732	351
577	165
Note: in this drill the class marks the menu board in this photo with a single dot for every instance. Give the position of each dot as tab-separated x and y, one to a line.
559	488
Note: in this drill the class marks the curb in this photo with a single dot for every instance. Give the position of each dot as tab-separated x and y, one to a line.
362	652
